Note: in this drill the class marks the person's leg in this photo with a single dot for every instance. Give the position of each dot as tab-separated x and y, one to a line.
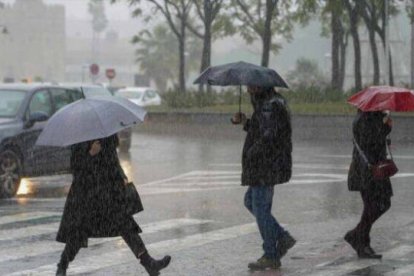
270	229
68	255
374	208
137	246
248	200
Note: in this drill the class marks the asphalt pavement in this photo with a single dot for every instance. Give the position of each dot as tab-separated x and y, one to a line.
190	187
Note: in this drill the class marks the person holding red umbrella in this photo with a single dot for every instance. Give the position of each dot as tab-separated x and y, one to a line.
370	170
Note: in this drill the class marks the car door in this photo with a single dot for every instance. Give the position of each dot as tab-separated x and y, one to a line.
39	159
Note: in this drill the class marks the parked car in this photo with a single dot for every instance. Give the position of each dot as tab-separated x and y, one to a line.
142	96
24	111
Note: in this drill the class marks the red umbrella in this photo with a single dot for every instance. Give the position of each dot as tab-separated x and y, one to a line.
379	98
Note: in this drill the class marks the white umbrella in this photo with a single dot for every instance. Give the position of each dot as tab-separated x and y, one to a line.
90	119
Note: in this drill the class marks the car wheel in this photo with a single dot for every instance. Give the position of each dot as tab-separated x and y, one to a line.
10	171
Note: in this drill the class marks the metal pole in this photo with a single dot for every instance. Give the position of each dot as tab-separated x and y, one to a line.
387	43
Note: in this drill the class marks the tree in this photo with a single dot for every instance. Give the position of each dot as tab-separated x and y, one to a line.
157	58
99	23
354	16
410	13
371	13
306	73
214	24
264	19
176	13
334	24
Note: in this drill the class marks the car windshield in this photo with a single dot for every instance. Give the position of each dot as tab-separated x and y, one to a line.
131	94
11	100
91	92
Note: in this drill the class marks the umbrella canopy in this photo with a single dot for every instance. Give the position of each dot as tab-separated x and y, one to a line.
379	98
240	73
90	119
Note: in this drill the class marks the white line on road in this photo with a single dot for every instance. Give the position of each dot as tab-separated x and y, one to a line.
328	269
43	247
26	216
124	255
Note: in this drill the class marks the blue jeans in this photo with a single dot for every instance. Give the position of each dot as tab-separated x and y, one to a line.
258	200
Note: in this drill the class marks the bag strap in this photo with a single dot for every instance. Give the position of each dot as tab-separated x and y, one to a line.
388	148
361	153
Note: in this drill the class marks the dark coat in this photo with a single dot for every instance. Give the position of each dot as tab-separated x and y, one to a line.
95	203
370	133
267	151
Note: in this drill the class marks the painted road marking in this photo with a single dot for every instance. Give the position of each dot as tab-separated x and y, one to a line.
328	268
124	255
26	216
43	247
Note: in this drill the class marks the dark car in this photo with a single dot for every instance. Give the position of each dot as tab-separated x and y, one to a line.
24	110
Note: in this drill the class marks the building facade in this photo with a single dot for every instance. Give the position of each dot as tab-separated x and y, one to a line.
34	46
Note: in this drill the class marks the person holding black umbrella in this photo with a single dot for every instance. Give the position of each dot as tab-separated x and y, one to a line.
95	205
266	162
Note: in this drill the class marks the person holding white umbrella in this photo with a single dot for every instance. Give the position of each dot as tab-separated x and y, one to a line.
96	205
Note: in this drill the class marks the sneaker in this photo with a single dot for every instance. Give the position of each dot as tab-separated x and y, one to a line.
285	243
265	263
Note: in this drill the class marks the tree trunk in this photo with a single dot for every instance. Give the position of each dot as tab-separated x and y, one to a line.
267	33
206	55
357	51
335	54
375	59
344	46
181	42
391	70
412	52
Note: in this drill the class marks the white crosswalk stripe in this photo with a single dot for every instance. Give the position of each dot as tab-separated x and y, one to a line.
43	247
396	253
25	217
124	255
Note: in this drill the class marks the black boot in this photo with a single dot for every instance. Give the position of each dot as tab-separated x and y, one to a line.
153	266
61	270
350	238
367	252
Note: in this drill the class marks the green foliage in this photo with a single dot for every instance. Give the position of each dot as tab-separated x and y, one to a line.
306	74
97	10
250	15
157	54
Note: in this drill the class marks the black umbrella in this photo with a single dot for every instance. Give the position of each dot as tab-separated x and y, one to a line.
241	73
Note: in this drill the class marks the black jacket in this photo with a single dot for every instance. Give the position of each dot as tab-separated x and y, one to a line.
95	203
267	152
370	133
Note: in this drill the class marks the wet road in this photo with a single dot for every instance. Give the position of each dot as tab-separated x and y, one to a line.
194	211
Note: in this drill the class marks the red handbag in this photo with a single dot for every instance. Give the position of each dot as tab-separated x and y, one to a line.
383	169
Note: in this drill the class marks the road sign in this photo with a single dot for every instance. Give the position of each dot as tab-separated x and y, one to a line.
110	73
94	69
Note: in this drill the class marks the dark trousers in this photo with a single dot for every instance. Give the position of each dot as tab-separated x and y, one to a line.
375	205
133	240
